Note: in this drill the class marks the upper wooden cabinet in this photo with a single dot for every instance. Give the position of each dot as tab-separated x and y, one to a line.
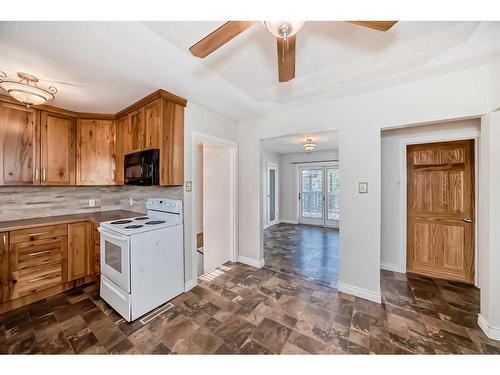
57	150
96	152
122	146
19	151
153	124
136	131
172	145
143	127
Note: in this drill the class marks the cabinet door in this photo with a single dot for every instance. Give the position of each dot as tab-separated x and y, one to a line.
79	256
96	152
19	150
123	145
137	130
57	143
4	267
172	145
152	115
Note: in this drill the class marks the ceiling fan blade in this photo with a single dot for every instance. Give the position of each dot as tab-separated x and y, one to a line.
286	59
377	25
219	37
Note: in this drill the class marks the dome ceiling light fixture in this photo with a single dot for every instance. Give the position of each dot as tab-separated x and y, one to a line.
285	33
26	90
309	145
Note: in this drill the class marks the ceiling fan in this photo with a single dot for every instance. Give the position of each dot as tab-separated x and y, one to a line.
285	33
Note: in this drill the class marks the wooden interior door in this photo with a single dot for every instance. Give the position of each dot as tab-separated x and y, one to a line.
96	152
19	151
57	150
440	225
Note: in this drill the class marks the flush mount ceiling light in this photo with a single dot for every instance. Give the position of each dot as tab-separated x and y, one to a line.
285	33
26	90
309	145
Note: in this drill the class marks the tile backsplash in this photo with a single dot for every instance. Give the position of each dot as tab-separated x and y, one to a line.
30	202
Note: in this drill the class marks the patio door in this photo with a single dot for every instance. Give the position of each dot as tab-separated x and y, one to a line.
319	195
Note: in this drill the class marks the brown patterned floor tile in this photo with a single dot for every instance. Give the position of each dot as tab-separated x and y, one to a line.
234	331
57	344
271	335
82	340
180	328
122	347
206	340
226	349
252	347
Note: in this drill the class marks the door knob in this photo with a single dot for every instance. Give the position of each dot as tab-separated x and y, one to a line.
468	220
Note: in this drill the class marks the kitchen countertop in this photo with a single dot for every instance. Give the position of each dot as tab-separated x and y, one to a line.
97	217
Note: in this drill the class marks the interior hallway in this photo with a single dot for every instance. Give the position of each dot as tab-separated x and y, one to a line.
304	251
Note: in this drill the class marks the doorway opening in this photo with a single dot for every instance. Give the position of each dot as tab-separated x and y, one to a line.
214	203
300	204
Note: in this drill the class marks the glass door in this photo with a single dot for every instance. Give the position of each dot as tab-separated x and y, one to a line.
319	195
332	176
311	195
272	194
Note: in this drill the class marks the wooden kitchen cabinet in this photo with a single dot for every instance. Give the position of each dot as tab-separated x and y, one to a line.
4	267
79	255
19	153
123	145
37	264
96	152
153	122
172	145
136	131
57	149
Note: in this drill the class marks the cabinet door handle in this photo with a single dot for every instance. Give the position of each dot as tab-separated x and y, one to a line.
38	234
39	278
39	253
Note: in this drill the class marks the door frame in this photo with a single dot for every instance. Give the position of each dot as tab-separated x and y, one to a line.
448	137
196	139
298	205
276	220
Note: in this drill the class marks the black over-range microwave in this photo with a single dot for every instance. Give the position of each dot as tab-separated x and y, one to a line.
142	168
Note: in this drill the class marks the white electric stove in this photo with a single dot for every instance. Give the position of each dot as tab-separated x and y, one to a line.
142	259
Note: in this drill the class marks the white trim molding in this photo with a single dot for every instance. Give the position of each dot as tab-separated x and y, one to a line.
370	295
251	262
190	285
287	221
392	267
490	331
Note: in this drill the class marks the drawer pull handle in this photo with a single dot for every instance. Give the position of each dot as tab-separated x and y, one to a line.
39	279
39	253
38	234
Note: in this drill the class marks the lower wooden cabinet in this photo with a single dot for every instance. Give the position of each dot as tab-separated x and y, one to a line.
4	267
79	255
36	265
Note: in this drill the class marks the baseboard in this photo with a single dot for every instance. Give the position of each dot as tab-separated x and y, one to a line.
360	292
392	267
190	285
285	221
490	331
251	262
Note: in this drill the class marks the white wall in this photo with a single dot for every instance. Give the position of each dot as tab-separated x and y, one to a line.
392	212
359	119
288	188
202	120
268	156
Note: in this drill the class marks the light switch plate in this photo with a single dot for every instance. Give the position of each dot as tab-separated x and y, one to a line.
189	186
363	187
91	202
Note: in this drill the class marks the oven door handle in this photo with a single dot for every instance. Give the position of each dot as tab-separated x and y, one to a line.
106	233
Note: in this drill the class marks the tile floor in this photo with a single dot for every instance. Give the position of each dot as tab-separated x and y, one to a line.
247	310
305	251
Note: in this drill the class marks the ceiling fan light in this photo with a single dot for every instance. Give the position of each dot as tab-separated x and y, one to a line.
26	90
283	29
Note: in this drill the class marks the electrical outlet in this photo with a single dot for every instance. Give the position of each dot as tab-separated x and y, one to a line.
131	202
189	186
91	202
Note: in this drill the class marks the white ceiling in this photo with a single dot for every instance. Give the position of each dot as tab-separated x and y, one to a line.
104	66
292	144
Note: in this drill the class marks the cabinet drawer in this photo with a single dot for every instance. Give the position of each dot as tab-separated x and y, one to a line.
39	253
33	234
33	280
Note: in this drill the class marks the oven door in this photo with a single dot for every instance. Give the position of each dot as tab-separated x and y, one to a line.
115	258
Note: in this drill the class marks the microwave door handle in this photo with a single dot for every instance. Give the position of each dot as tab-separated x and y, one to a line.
103	232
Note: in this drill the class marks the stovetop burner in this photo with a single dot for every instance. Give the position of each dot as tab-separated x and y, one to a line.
135	226
142	218
117	222
154	222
